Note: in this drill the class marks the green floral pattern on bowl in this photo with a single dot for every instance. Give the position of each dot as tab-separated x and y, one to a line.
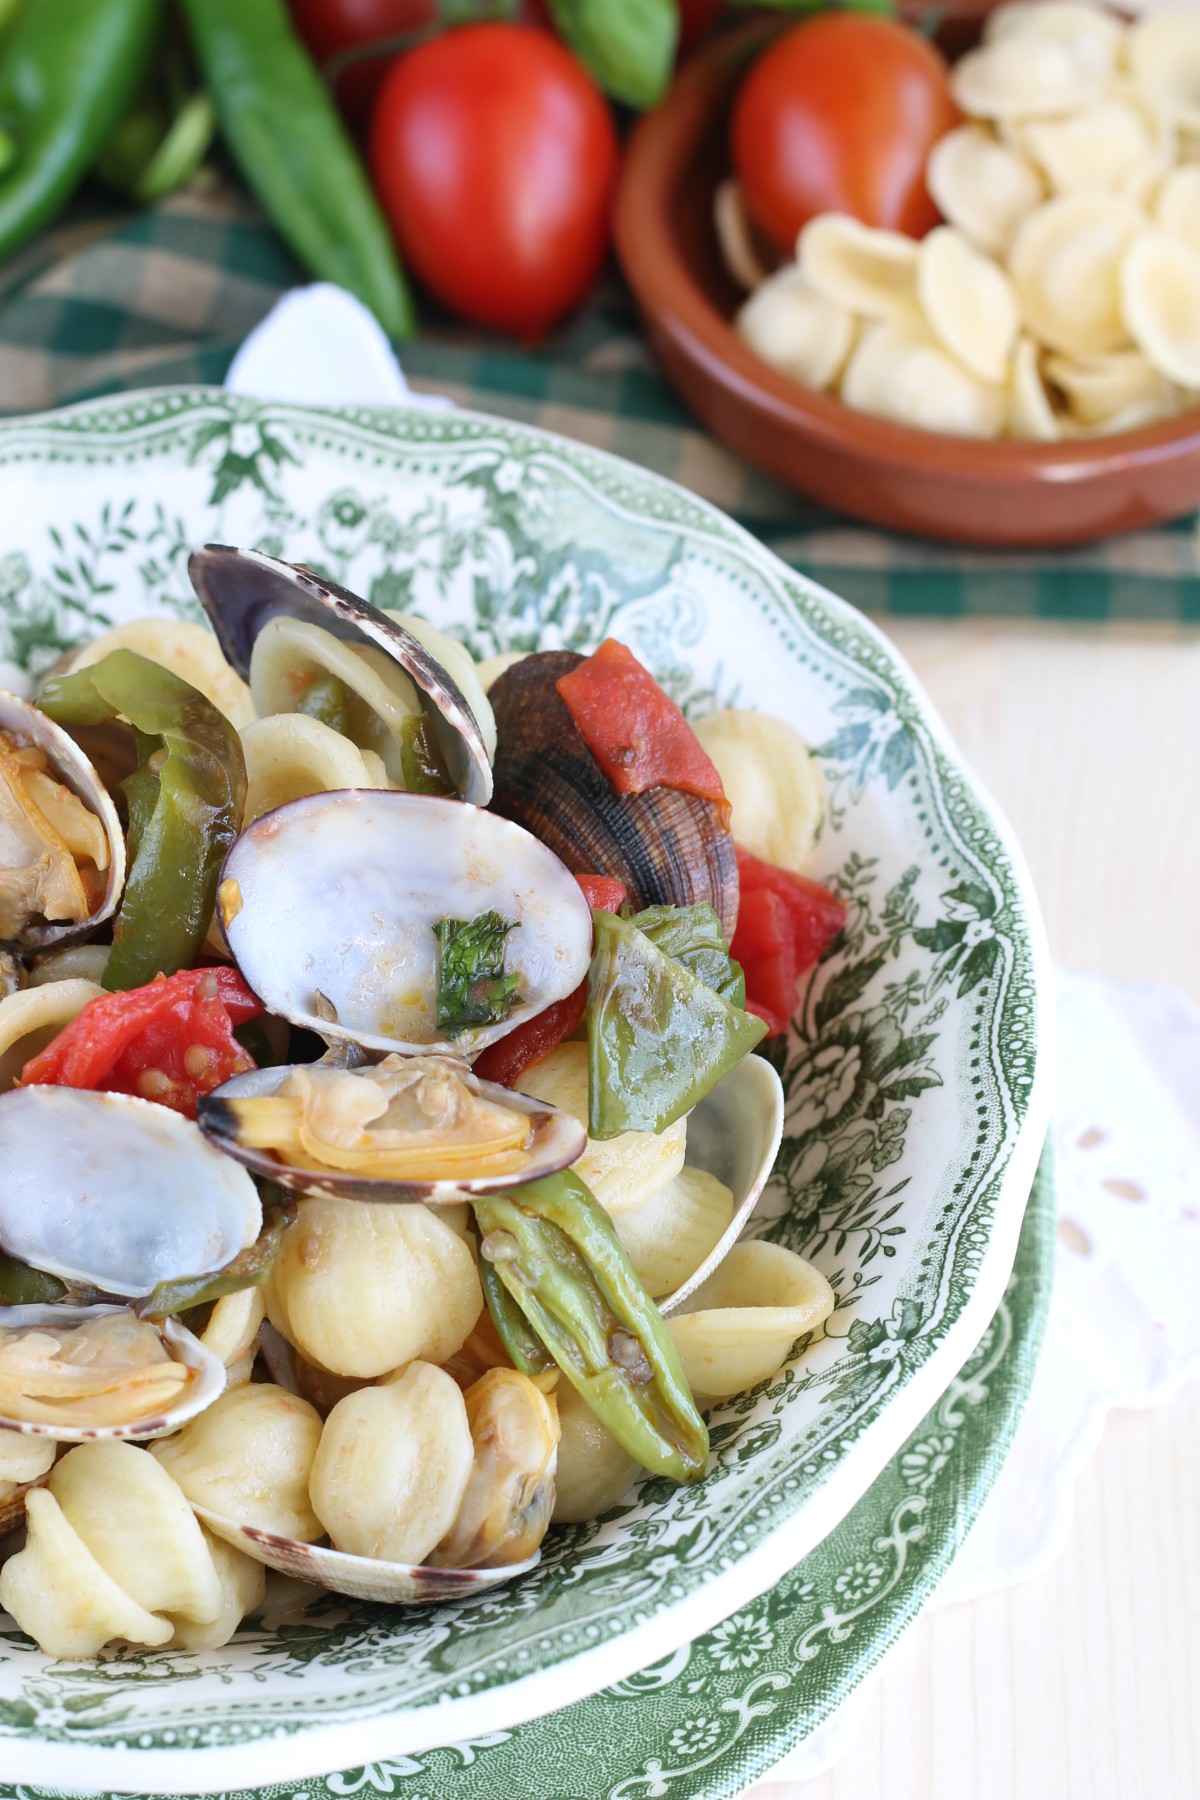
916	1085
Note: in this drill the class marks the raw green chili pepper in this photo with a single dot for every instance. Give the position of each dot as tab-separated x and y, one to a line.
284	131
248	1270
659	1038
627	46
22	1286
692	935
68	71
185	805
555	1251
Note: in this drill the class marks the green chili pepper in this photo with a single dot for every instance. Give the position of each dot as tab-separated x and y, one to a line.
326	700
248	1270
68	71
151	154
421	762
627	46
22	1286
692	935
185	806
293	149
525	1348
659	1038
555	1251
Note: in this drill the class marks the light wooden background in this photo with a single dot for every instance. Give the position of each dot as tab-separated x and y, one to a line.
1083	1684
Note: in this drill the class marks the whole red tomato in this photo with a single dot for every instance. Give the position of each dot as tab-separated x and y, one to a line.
839	115
495	157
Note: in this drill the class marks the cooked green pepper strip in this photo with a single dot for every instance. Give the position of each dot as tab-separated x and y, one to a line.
327	701
22	1286
283	129
421	761
185	806
248	1270
68	71
659	1038
558	1257
692	935
525	1348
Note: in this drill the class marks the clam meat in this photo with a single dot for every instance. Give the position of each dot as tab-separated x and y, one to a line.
669	847
115	1193
336	909
71	1373
248	594
62	850
406	1128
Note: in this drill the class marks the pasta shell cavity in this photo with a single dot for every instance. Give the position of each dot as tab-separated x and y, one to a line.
771	782
983	187
901	372
1160	300
969	303
856	267
290	755
796	329
1101	388
1066	263
1163	58
1038	61
669	1237
248	1458
741	1324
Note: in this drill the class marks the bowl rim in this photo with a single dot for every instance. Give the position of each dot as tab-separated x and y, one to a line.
657	158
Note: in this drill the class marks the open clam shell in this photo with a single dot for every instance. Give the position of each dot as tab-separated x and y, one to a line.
328	905
68	764
204	1384
362	1577
734	1133
557	1141
116	1193
241	590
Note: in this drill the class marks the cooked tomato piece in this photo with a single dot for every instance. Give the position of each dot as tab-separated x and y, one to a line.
634	730
604	892
785	926
170	1041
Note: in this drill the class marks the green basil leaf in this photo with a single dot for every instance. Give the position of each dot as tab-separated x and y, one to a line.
627	46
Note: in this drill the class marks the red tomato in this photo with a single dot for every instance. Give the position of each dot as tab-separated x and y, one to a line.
634	730
334	28
170	1041
495	157
785	925
839	115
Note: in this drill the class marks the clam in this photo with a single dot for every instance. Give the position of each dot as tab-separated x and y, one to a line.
406	1128
117	1194
734	1134
329	905
242	591
62	850
669	847
71	1373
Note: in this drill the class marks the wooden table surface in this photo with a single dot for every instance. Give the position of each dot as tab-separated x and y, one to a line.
1083	1684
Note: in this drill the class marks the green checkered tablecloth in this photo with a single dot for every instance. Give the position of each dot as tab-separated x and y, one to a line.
114	300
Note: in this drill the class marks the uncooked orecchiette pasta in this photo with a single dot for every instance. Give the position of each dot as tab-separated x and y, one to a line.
331	1222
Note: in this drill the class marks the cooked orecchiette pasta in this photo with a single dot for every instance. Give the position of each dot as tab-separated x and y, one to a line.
289	755
76	962
61	1597
668	1238
243	1585
139	1527
492	668
771	782
623	1171
24	1457
32	1016
393	1465
289	656
593	1470
363	1289
189	651
248	1459
739	1327
232	1332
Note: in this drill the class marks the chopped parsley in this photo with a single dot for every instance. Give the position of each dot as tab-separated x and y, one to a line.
473	989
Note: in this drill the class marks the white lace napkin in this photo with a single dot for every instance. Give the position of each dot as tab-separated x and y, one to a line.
1124	1328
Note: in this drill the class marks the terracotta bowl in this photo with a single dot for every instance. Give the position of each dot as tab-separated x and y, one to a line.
973	492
